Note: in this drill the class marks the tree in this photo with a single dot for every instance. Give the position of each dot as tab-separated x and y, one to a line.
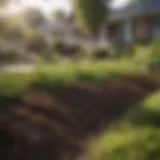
90	15
12	27
34	16
59	14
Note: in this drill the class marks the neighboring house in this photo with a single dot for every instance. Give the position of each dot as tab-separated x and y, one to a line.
61	28
67	30
135	22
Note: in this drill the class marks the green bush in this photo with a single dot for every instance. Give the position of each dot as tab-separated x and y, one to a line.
137	137
59	46
154	64
75	50
131	144
148	113
13	84
8	56
36	43
148	56
12	56
68	50
100	53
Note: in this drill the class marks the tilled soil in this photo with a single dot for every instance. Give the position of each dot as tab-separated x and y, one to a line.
58	124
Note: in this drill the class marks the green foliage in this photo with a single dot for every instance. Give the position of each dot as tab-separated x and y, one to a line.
155	56
148	55
137	137
59	14
75	50
90	15
64	49
36	43
59	46
130	144
12	84
12	56
8	56
148	113
100	53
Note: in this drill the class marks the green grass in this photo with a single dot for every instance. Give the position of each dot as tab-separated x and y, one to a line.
51	76
13	85
136	137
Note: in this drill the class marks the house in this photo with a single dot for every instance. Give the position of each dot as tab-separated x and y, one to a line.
136	22
67	30
58	29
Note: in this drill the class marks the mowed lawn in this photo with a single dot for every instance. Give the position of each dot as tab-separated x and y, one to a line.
51	76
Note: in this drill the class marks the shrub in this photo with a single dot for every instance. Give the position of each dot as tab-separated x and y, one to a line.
59	46
74	50
154	63
131	144
148	114
64	49
36	43
148	56
14	56
9	56
100	53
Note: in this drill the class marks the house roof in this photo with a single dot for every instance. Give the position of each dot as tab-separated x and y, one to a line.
139	8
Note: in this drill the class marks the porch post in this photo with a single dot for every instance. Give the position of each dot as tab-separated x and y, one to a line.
128	31
103	33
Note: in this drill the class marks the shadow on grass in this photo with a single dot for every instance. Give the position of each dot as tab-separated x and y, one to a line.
6	102
145	116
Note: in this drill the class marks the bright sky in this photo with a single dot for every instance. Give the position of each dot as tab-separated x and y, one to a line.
49	5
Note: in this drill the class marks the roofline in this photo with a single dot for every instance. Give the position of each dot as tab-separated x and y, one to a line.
134	10
110	19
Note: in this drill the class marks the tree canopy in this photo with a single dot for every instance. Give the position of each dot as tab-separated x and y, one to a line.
58	14
90	15
34	16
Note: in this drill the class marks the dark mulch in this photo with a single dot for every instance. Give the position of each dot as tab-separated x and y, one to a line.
58	124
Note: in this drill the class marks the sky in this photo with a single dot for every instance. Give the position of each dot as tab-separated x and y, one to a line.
49	5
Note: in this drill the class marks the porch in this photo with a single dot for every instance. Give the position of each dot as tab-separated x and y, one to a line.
137	22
